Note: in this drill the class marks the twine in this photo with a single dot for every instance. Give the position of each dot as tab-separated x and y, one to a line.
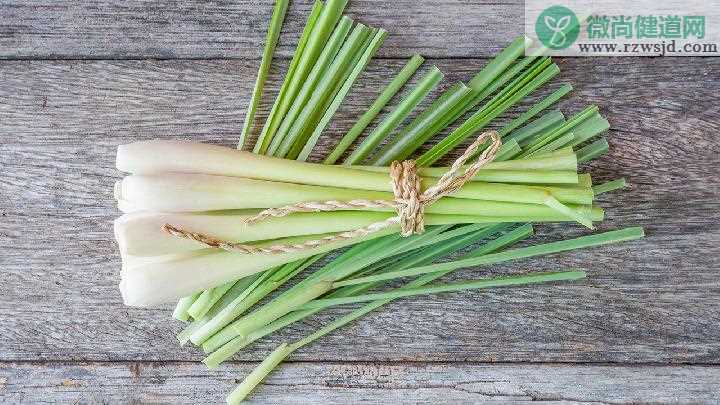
409	203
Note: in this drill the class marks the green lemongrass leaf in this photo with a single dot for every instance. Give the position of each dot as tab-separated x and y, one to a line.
536	109
331	97
481	118
312	111
501	82
444	111
441	288
395	118
546	123
507	151
180	311
207	299
499	64
551	146
232	347
316	74
329	16
229	349
273	33
253	295
369	52
392	88
543	139
258	374
315	285
422	127
538	65
490	79
610	186
275	117
593	150
239	288
589	128
622	235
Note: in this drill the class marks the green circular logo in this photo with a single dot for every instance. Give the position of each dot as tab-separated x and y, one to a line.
557	27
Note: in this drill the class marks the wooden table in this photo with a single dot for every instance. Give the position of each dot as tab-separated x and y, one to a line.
76	80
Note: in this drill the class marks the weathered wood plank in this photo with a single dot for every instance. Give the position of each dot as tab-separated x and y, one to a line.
195	29
341	383
650	301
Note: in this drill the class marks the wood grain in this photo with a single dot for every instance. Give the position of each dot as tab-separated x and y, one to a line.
360	383
199	29
649	301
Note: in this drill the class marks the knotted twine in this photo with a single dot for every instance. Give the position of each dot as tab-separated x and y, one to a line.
409	203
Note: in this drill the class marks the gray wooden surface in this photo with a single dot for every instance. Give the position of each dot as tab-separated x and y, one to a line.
80	78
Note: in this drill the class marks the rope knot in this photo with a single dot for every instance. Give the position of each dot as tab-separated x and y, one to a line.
409	204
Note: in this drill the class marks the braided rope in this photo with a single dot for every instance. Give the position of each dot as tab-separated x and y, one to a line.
409	203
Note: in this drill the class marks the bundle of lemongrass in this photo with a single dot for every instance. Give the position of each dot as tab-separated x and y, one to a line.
211	190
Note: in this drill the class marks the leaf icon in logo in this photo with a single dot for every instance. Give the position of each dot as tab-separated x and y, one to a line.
550	22
557	26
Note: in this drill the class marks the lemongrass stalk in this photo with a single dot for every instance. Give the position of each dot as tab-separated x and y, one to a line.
242	286
593	150
424	126
258	374
326	57
395	118
546	102
610	186
546	123
527	201
275	117
180	311
207	299
146	157
533	278
273	33
484	116
385	96
284	141
369	52
605	238
141	234
327	19
177	193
